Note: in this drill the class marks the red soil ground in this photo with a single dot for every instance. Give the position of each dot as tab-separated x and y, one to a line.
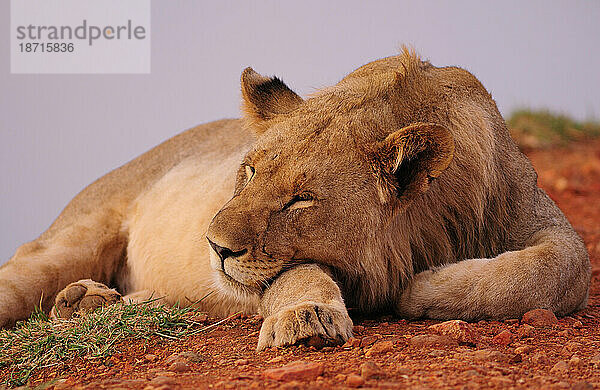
566	355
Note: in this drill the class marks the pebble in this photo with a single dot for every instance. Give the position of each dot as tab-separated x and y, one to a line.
583	385
179	366
358	329
524	350
367	340
570	348
540	358
489	355
437	353
352	342
429	340
458	330
379	348
276	359
370	370
526	331
539	318
577	324
560	368
241	362
297	370
354	380
503	338
163	381
189	356
340	377
575	362
565	333
149	358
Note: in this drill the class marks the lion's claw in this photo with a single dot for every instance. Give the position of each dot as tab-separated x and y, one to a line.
306	321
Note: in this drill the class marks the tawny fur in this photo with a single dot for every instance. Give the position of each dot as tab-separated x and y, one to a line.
400	185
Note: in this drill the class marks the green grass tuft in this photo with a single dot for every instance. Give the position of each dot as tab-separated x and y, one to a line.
38	343
543	129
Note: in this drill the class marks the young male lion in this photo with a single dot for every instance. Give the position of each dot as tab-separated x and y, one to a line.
398	189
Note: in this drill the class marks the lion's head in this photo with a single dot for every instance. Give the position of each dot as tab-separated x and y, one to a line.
325	177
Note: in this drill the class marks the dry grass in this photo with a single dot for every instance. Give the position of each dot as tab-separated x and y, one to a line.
543	129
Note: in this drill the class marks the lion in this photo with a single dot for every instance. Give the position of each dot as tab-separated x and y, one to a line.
397	190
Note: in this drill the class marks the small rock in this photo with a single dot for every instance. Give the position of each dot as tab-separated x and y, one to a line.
298	370
367	340
149	358
354	380
503	338
526	331
539	318
583	385
511	321
379	348
570	348
437	353
516	358
429	340
163	381
540	359
241	362
471	373
577	324
565	333
575	362
340	377
191	357
560	368
179	366
352	342
370	370
276	359
358	329
488	355
524	350
561	385
458	330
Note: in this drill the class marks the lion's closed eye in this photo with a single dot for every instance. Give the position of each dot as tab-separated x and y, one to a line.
249	173
300	201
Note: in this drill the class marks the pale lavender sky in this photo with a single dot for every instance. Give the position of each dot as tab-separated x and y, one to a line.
60	132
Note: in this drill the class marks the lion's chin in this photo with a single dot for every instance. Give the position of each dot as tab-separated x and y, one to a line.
238	290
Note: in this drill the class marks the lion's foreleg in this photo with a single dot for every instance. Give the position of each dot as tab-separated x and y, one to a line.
91	248
302	303
552	272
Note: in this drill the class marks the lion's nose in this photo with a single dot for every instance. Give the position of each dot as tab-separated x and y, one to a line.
224	253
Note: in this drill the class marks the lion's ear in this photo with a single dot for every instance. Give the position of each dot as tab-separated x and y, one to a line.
413	156
264	98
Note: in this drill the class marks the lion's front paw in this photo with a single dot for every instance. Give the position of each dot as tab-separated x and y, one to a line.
292	324
84	295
